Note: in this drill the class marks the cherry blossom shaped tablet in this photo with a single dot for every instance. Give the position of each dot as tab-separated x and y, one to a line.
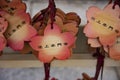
103	24
64	21
3	27
71	26
19	29
54	44
12	6
69	22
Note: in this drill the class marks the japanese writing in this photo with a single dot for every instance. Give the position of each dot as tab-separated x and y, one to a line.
53	45
104	24
9	33
9	9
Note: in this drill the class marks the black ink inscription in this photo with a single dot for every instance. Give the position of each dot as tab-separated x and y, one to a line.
18	26
40	47
99	22
59	44
110	27
23	22
116	31
93	18
65	43
46	46
105	24
53	45
14	30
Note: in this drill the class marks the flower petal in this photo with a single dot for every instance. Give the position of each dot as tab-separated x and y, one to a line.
20	36
89	31
114	12
65	54
35	42
94	42
58	21
3	25
108	40
115	56
72	16
69	38
31	32
91	12
114	51
16	45
2	43
49	30
71	27
45	57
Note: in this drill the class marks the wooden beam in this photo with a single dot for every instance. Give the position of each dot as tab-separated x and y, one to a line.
29	60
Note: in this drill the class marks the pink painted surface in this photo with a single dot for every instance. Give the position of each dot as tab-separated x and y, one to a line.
53	44
103	24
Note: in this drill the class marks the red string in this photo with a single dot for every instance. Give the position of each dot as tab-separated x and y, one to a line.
110	2
50	10
100	64
116	2
52	7
47	71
